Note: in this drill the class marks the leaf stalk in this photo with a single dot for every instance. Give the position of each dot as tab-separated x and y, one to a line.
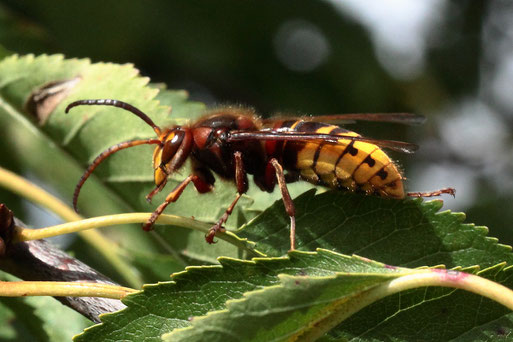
62	289
23	234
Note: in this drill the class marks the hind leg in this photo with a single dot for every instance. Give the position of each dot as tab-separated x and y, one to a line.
287	200
450	191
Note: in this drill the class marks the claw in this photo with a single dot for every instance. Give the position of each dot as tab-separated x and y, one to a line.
147	226
209	237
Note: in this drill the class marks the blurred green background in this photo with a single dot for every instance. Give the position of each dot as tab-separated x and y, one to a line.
451	61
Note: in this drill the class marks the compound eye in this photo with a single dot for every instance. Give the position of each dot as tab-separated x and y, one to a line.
171	145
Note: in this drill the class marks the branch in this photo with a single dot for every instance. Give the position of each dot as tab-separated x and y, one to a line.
41	261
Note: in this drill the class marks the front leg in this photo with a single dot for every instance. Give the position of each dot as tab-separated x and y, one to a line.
241	181
174	195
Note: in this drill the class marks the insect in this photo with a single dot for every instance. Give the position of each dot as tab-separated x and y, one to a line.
234	142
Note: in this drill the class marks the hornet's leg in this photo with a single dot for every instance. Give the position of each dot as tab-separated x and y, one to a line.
241	181
199	184
287	201
449	191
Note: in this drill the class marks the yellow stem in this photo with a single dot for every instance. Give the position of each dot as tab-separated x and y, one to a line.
23	234
455	279
62	289
22	187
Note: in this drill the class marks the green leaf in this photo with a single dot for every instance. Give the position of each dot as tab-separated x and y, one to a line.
287	309
299	307
163	307
153	265
271	296
408	232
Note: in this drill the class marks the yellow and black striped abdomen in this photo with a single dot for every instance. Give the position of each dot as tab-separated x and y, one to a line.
351	165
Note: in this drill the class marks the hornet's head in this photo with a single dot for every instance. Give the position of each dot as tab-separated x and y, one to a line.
169	156
173	147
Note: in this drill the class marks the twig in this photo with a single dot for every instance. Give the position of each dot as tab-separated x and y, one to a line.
41	261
